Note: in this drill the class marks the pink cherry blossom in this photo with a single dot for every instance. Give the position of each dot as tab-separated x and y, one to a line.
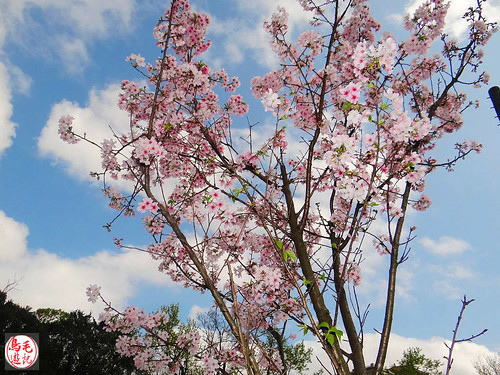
352	92
147	204
270	220
270	100
138	60
93	292
66	130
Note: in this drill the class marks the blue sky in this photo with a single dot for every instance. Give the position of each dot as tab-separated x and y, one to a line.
68	57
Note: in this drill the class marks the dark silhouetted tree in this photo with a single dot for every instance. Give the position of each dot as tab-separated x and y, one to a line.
70	343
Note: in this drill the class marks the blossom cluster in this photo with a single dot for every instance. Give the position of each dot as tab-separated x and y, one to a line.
147	204
188	30
146	149
116	199
66	130
352	272
236	106
137	60
93	292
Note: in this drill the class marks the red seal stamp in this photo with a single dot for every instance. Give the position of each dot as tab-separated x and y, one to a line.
21	351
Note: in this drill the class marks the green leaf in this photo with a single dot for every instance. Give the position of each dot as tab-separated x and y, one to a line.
279	243
304	328
330	338
324	325
322	277
332	332
336	331
289	254
305	281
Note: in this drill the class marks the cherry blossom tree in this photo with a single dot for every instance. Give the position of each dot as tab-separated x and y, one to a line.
273	227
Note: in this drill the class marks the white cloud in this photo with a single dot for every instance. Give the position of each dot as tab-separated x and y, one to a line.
373	287
464	354
459	271
94	120
99	119
374	271
448	288
48	280
264	9
445	245
395	18
86	17
97	18
73	55
20	82
86	20
7	127
374	283
68	27
13	237
455	25
197	310
450	279
246	38
241	41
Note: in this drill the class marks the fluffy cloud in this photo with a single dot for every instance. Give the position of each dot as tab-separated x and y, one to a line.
83	21
374	270
455	25
86	17
196	311
73	54
464	354
13	236
20	82
61	31
94	120
48	280
7	127
445	245
245	38
451	279
97	18
98	120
